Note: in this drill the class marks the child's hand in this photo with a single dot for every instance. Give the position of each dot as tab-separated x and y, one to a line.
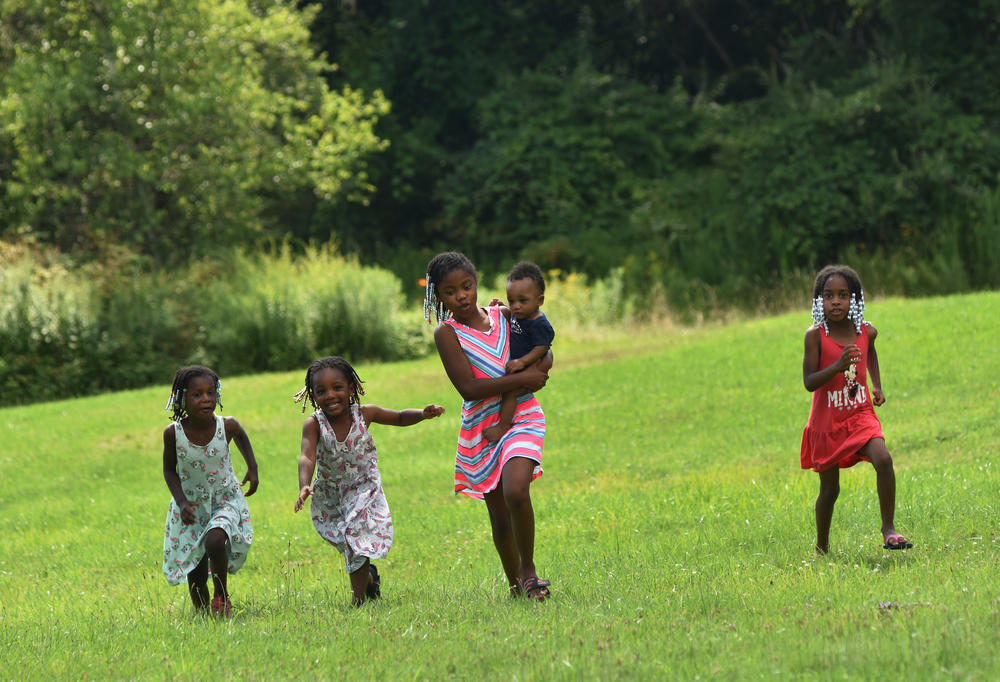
251	477
303	495
515	365
189	514
878	398
850	354
432	411
496	301
533	379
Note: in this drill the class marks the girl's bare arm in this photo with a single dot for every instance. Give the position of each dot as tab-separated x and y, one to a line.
307	460
235	432
812	376
382	415
457	366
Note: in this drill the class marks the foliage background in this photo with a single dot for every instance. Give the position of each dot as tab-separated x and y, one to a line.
693	157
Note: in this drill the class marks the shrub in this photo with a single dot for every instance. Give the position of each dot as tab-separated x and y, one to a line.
114	325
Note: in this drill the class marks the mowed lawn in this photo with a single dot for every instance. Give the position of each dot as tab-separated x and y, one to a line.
672	519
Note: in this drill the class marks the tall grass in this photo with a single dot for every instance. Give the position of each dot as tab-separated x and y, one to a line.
672	518
103	326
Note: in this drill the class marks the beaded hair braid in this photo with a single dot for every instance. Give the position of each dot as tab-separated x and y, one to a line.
437	270
181	380
856	311
333	362
528	270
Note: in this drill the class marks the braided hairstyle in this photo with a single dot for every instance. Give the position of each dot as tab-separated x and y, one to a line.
184	375
528	270
332	362
855	312
439	268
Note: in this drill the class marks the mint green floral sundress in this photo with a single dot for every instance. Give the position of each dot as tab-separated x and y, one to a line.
207	477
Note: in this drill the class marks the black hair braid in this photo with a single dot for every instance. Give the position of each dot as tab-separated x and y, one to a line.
528	270
181	380
332	362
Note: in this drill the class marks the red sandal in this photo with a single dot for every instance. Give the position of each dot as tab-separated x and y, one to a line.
222	607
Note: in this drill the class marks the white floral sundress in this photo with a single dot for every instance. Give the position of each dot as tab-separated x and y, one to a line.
207	477
348	506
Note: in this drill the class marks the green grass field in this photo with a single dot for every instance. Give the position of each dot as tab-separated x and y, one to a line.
673	521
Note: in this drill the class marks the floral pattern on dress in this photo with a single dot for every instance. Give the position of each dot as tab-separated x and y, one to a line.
207	478
348	506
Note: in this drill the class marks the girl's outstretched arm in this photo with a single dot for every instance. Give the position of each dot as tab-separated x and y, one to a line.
812	376
457	366
878	398
235	432
381	415
188	513
307	460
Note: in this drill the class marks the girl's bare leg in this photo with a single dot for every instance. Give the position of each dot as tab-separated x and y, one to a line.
215	549
829	490
197	580
885	482
515	482
503	537
360	580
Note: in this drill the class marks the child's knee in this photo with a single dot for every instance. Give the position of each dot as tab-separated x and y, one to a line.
215	541
881	459
516	496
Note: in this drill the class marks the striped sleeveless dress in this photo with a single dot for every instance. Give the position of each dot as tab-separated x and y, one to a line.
478	463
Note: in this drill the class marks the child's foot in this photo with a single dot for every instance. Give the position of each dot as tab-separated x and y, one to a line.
222	606
896	541
495	432
536	589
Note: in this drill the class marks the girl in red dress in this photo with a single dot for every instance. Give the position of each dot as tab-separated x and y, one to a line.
843	428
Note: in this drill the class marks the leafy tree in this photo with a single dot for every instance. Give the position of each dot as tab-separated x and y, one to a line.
172	126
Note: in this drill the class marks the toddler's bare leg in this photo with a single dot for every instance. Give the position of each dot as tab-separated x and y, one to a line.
507	407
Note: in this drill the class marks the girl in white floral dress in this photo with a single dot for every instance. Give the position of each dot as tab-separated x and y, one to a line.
208	524
349	509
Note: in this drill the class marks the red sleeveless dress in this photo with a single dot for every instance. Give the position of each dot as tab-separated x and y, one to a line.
839	426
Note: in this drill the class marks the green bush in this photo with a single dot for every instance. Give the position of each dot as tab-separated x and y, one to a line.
113	325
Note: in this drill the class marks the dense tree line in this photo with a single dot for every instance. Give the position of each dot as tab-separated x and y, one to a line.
703	145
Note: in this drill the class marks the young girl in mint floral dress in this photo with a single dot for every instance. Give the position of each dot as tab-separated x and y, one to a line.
208	528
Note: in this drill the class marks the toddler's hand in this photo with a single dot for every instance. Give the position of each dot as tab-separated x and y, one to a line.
303	495
515	365
251	477
189	514
432	411
496	301
878	398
